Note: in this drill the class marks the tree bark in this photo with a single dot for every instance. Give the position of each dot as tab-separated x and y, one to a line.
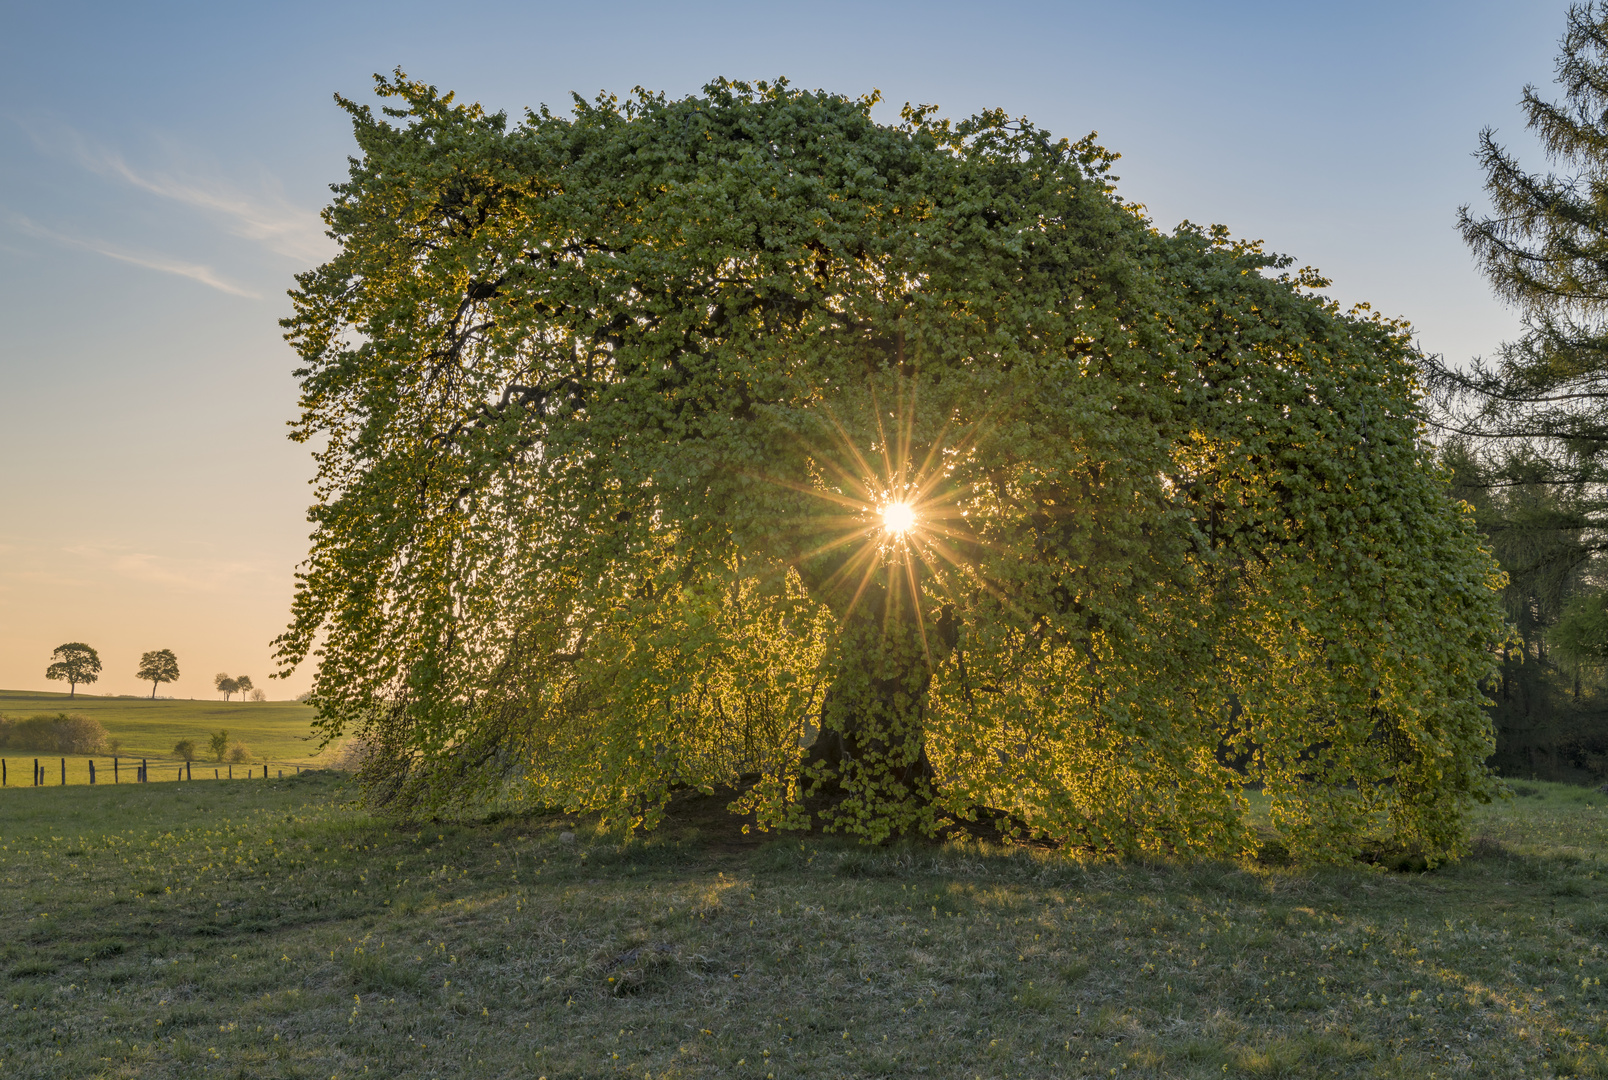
872	747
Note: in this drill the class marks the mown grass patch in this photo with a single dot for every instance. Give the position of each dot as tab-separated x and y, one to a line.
272	929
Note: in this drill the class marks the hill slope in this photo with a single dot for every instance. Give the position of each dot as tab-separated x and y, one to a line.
275	730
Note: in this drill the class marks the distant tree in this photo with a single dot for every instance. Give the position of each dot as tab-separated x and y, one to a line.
225	684
185	748
243	684
239	753
160	666
219	743
259	695
75	663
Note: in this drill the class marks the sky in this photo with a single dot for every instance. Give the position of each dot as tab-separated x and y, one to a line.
162	167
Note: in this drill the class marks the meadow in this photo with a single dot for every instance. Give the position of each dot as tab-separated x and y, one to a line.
275	929
276	731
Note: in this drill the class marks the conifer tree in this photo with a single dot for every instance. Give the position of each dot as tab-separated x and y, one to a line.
1544	247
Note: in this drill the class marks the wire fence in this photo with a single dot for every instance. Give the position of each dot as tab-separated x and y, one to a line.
117	769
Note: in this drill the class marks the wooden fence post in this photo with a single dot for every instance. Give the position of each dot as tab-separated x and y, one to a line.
63	772
91	772
187	775
145	775
2	772
36	772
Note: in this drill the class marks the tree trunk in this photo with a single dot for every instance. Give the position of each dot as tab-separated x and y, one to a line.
871	753
153	689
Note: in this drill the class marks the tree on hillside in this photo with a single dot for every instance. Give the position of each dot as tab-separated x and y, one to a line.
219	744
225	684
243	684
74	663
184	749
159	666
898	474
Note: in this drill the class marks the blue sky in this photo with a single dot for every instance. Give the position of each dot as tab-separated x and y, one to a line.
161	168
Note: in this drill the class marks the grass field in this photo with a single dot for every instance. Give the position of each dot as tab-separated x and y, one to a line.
276	731
270	929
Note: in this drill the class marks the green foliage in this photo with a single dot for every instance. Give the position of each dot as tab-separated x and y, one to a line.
1582	631
184	749
277	731
224	684
219	744
159	666
1548	701
74	663
615	404
1543	248
62	733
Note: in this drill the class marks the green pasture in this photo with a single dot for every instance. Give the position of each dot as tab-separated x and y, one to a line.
18	770
275	929
278	731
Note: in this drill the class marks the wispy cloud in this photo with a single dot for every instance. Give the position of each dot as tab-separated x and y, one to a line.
194	574
194	271
266	217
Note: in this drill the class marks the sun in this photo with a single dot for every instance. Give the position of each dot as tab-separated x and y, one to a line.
898	518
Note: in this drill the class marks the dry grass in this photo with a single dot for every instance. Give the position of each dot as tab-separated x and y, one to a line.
270	930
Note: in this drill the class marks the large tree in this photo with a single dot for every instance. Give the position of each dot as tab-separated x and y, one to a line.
159	666
1544	246
1530	426
743	439
74	663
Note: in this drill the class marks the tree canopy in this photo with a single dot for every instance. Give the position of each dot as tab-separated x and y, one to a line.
159	666
884	472
1530	426
1544	247
74	663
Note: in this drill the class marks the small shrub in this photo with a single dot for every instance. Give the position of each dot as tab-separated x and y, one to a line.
185	749
64	733
239	753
